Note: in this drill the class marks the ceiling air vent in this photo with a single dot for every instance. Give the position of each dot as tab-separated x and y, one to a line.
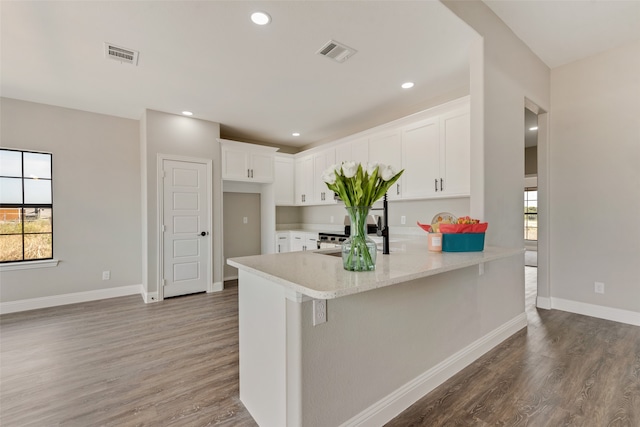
121	54
336	51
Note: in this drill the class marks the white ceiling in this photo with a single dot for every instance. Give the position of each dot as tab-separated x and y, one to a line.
263	83
563	31
260	83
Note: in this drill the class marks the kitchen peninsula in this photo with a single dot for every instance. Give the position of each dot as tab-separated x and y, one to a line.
390	336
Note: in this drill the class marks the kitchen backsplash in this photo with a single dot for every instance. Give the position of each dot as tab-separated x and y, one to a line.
331	217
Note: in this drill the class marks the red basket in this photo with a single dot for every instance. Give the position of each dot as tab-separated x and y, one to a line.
464	228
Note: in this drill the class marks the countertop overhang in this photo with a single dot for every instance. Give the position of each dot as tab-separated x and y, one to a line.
316	275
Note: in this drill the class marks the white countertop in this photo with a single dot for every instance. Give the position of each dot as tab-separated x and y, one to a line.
320	276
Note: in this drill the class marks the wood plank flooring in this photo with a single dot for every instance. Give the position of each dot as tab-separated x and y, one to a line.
121	362
562	370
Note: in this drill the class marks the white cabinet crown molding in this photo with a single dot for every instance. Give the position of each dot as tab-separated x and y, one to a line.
247	146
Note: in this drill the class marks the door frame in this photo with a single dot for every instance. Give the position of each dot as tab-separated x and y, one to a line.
160	217
543	297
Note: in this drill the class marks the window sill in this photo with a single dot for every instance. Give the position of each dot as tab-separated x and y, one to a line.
27	265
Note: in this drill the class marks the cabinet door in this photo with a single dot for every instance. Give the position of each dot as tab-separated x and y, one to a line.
235	165
421	160
304	180
297	242
261	167
353	151
283	181
386	148
455	162
282	242
360	151
321	161
310	242
343	153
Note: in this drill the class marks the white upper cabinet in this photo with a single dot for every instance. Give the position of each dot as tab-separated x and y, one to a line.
421	159
353	151
284	180
433	147
386	148
321	161
304	180
310	189
247	162
455	154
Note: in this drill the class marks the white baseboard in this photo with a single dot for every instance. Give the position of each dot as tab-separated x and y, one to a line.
599	311
216	287
230	278
64	299
543	302
393	404
150	297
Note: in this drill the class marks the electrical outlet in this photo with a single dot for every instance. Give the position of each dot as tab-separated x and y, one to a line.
319	311
245	220
106	275
599	288
403	220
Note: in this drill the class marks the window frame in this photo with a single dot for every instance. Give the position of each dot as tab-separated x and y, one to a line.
526	205
23	207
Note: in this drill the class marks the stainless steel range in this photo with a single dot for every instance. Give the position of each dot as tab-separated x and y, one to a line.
330	240
334	239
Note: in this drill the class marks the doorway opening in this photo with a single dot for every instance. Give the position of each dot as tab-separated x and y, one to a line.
530	213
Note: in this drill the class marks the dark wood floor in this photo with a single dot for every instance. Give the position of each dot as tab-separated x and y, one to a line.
120	362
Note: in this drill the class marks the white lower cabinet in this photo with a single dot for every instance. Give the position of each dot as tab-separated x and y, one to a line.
283	243
295	241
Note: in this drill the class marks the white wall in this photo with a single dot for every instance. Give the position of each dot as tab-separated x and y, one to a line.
241	239
171	134
595	179
504	72
96	196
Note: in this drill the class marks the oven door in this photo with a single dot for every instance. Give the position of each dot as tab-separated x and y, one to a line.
328	245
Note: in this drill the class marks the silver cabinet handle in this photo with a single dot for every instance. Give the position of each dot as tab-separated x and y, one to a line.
436	184
251	173
440	184
398	189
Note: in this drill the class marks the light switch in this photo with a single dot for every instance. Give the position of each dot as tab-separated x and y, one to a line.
245	220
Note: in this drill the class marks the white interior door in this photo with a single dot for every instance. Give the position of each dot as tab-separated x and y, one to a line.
186	237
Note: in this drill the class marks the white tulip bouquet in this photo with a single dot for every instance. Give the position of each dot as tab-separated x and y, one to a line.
358	184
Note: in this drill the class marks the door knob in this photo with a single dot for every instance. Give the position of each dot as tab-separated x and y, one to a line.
204	233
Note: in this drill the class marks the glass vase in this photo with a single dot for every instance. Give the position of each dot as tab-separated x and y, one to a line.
358	250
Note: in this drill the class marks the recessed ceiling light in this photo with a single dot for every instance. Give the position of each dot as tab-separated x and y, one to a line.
534	128
407	85
296	134
187	113
260	18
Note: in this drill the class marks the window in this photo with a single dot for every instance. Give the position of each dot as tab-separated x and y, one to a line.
531	214
26	206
